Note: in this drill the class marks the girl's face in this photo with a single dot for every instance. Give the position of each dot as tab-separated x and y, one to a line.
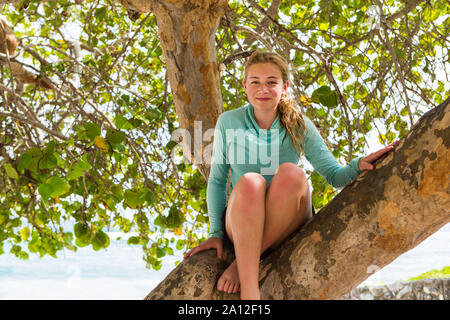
264	86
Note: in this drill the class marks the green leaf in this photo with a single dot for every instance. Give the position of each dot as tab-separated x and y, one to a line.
325	96
84	164
80	243
50	148
81	133
82	233
24	161
135	123
92	130
159	221
59	185
45	190
48	161
154	114
160	252
115	136
133	199
122	123
100	240
75	174
175	218
101	13
404	112
10	171
150	197
68	241
78	170
133	240
180	244
117	191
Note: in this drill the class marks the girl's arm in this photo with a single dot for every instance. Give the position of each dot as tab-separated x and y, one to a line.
216	193
323	161
366	163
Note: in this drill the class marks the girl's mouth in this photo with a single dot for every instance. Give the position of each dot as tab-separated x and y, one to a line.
262	99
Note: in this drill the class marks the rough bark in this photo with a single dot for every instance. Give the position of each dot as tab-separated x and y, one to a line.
425	289
373	220
187	32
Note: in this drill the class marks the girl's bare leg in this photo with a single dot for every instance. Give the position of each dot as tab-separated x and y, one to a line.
258	219
245	226
288	204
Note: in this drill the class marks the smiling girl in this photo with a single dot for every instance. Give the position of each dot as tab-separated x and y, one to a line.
270	198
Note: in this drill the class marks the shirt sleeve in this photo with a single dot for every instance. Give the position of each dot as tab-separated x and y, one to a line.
216	191
323	161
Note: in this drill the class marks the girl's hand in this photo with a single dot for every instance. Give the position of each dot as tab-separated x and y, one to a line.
366	162
211	243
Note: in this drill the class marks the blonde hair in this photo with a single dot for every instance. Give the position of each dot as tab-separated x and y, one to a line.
290	116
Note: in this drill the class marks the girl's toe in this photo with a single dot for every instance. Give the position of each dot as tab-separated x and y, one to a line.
220	285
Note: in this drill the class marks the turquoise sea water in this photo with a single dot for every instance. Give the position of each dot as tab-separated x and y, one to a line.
119	271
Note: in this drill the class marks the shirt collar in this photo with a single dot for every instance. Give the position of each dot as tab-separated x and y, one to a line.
254	124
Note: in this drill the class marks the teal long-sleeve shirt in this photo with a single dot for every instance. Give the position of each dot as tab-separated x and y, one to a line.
241	145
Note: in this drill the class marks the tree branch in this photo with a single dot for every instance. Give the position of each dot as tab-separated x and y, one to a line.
271	12
34	123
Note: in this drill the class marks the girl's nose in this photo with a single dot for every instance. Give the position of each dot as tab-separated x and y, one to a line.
263	88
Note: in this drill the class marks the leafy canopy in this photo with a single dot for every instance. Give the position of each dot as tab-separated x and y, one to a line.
94	154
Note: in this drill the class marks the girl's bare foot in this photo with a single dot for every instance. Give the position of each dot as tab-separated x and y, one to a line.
250	294
229	280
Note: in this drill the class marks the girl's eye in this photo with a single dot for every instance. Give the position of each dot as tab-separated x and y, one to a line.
270	83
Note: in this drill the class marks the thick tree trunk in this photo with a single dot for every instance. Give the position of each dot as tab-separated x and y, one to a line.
373	220
187	32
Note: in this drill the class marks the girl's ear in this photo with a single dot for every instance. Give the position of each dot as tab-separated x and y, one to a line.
244	85
286	86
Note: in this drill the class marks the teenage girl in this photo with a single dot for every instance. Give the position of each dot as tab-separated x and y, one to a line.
262	143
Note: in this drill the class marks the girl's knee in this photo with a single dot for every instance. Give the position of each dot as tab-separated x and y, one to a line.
250	186
289	177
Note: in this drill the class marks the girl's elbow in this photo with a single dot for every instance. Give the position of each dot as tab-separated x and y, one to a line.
337	183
